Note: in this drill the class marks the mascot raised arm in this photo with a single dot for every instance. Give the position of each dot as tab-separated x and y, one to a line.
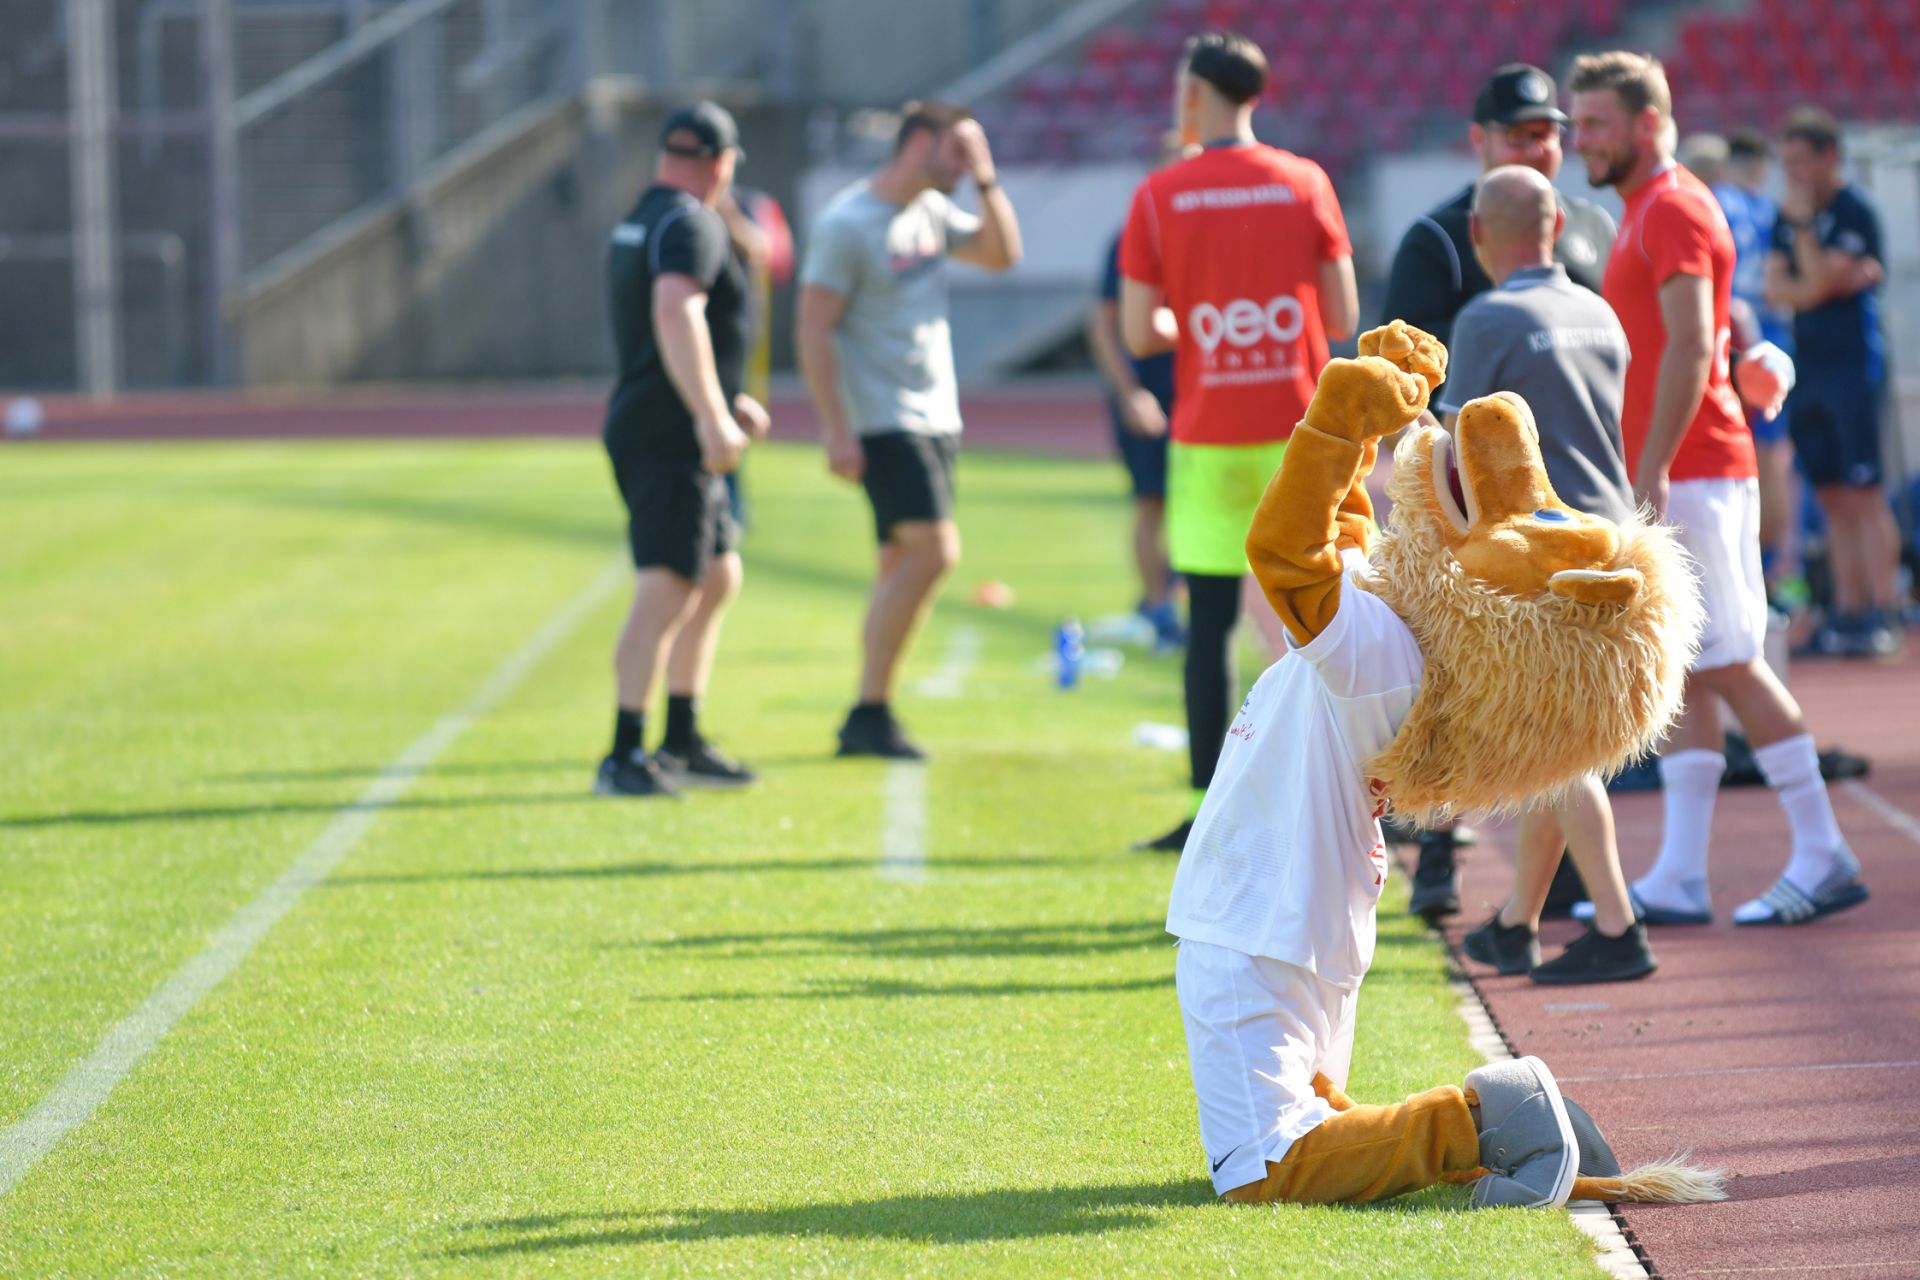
1492	647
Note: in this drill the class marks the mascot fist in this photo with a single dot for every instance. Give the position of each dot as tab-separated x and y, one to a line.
1408	349
1364	399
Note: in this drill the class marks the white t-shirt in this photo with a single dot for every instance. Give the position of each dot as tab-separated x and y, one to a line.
1286	858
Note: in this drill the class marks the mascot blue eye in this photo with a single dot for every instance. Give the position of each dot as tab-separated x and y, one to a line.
1550	513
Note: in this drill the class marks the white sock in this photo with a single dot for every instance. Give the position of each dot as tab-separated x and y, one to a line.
1792	768
1690	783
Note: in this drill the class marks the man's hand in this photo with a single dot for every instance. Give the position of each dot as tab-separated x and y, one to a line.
752	416
1763	377
1797	203
846	459
1141	414
1650	490
721	443
974	152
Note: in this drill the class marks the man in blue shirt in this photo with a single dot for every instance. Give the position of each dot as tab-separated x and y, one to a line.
1140	401
1825	267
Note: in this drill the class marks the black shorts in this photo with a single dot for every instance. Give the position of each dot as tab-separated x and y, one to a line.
909	476
678	516
1145	458
1834	421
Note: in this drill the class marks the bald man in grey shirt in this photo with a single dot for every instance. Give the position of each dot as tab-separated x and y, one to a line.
1561	348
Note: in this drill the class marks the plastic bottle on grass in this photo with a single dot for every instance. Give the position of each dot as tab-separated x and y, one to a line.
1070	653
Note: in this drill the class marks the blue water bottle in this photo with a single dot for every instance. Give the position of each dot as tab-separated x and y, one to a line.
1070	653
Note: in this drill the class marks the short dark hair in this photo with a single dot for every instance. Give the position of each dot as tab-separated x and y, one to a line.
1229	62
927	117
1812	126
1744	146
1637	79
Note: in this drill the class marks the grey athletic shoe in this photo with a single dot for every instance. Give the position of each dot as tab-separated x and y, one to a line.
1527	1139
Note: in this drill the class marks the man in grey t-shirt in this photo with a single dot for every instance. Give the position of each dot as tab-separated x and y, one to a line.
1561	348
874	346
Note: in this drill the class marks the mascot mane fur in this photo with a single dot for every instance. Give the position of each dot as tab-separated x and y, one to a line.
1522	695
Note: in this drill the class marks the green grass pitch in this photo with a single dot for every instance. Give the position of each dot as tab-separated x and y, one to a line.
519	1030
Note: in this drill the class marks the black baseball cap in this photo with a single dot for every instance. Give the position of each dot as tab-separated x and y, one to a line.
1517	93
711	127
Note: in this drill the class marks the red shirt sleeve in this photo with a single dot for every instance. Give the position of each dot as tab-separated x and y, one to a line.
1332	223
1140	240
1677	238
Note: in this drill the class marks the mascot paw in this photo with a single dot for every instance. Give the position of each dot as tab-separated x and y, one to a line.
1408	349
1364	399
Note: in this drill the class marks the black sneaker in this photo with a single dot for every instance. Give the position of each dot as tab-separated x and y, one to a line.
1509	949
1436	882
1594	957
870	732
703	765
1172	842
636	776
1567	888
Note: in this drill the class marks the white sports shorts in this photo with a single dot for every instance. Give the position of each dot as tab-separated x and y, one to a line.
1257	1031
1718	522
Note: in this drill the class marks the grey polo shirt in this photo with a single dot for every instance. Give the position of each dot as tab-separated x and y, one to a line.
890	263
1561	348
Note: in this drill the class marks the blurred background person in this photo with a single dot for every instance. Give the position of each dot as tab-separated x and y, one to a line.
1826	269
878	357
1140	401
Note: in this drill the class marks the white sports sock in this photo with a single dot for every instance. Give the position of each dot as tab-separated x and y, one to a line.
1792	768
1690	783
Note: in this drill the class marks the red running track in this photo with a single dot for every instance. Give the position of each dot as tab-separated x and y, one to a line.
1066	420
1789	1056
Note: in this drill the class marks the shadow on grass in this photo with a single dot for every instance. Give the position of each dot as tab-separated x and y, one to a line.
895	989
931	942
619	870
986	1215
583	766
201	813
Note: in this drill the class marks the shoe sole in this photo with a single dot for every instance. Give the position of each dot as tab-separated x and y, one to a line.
1581	979
1570	1153
707	782
602	789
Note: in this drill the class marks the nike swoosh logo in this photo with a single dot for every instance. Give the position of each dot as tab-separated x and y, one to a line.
1223	1159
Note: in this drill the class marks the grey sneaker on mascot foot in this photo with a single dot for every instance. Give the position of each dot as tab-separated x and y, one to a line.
1527	1139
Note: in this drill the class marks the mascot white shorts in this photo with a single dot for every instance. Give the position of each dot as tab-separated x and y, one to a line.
1718	522
1257	1031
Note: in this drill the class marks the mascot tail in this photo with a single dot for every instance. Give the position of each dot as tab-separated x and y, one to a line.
1670	1181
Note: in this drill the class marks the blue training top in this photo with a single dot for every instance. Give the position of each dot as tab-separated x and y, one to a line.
1155	372
1750	216
1841	336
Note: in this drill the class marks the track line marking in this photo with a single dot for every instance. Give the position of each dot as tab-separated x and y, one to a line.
903	831
949	679
72	1102
1901	1065
1896	817
1825	1266
1576	1006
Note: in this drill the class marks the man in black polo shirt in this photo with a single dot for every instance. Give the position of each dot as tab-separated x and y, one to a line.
676	425
1516	120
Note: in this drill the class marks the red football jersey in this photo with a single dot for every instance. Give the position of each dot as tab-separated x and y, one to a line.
1673	226
1234	238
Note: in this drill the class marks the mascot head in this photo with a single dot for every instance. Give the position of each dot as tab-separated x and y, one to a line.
1556	641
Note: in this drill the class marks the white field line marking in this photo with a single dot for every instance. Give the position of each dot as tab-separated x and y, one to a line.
1594	1219
73	1101
1897	818
903	829
1901	1065
949	679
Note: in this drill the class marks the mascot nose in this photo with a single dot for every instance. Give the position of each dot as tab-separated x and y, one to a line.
1499	449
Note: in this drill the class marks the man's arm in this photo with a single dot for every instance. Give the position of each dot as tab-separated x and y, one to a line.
996	245
680	327
819	315
1339	298
1818	276
1686	363
1139	411
1146	324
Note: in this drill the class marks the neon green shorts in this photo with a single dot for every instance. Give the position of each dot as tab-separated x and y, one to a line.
1212	491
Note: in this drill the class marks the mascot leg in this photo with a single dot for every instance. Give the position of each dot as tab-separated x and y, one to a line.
1369	1153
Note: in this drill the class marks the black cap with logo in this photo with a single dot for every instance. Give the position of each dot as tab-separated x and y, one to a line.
1517	93
701	130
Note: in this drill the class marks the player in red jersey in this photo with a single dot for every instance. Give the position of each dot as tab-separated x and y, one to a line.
1691	457
1237	260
